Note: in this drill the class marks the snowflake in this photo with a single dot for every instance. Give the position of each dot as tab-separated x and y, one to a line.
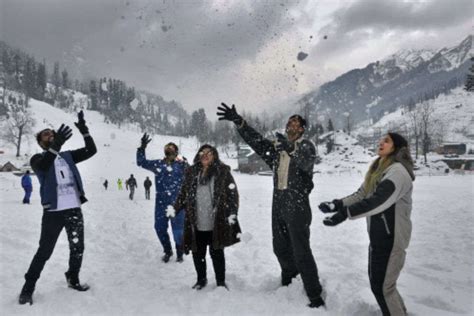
75	240
232	186
169	168
170	211
158	169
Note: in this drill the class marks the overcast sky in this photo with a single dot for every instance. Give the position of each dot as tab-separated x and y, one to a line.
239	51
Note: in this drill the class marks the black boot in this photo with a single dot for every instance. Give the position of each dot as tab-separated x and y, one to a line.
222	283
200	284
179	258
73	282
316	302
26	295
286	280
166	257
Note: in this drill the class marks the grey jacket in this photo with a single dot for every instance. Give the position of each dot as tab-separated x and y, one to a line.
388	208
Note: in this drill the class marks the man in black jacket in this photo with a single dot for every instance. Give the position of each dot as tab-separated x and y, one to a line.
292	160
131	184
147	184
62	194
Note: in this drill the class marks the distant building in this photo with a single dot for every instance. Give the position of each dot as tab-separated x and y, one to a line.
8	167
452	149
249	161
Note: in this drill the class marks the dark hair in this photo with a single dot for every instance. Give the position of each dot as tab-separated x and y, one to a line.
212	170
398	141
38	135
300	119
174	145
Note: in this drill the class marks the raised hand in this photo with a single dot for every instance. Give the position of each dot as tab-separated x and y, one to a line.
145	141
284	144
63	133
229	114
81	123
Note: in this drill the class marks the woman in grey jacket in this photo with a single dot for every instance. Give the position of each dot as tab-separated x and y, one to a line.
385	200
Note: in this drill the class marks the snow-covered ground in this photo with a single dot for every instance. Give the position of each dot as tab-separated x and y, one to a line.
122	253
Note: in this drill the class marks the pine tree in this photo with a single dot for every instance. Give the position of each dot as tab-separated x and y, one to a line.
469	85
65	79
41	81
330	127
93	95
56	80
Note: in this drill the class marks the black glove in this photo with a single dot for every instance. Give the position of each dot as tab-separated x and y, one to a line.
337	218
229	114
284	144
61	136
145	140
331	207
81	124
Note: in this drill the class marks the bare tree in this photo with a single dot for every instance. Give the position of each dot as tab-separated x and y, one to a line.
414	123
426	111
20	122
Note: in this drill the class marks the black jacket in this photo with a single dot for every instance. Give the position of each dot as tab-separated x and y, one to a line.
300	170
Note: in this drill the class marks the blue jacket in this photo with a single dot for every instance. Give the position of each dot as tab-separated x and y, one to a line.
26	181
43	165
168	177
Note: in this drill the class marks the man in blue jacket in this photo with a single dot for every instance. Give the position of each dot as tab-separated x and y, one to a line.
27	186
169	173
62	194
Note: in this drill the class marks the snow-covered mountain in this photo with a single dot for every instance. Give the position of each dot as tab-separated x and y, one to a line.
383	86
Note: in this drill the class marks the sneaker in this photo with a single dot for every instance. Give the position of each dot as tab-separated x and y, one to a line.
200	284
166	257
73	283
316	302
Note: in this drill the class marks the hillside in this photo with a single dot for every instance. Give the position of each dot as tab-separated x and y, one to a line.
384	86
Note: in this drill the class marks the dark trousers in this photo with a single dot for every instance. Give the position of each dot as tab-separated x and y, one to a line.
26	198
204	239
51	226
147	193
132	193
291	219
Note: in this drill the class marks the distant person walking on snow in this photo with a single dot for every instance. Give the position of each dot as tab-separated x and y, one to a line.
131	184
62	194
385	199
119	184
169	173
27	186
292	160
106	184
147	185
211	200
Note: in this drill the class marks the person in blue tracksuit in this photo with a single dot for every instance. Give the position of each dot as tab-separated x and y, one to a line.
27	186
169	174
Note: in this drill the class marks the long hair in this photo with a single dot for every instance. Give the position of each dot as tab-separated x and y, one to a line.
399	154
212	170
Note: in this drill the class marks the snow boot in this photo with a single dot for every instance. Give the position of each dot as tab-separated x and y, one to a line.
200	284
166	257
316	302
26	295
73	282
179	259
285	280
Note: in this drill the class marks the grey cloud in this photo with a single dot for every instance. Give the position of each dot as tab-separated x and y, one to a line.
364	20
